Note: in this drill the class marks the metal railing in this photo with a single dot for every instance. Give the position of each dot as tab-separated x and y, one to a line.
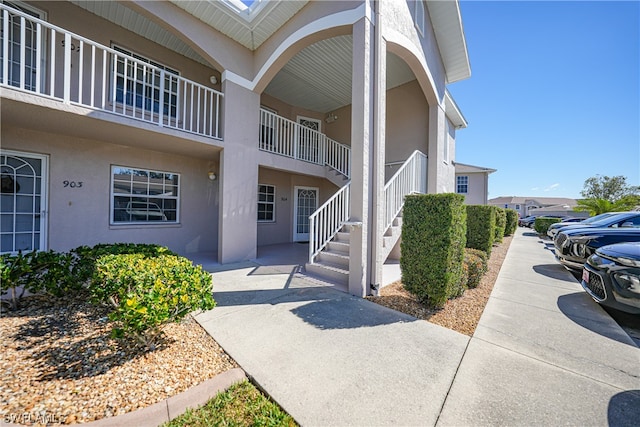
327	220
410	178
47	60
282	136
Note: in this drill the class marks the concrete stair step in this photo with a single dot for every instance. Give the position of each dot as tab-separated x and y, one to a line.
328	272
340	247
333	258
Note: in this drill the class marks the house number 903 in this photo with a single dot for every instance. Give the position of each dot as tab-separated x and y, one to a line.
72	184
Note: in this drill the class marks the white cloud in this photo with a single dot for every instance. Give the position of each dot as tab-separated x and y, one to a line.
552	187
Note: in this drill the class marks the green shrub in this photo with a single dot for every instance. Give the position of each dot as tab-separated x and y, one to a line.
87	256
512	222
501	221
53	273
148	292
542	224
432	247
480	254
16	273
476	267
481	222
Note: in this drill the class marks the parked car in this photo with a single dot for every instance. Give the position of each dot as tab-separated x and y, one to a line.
526	221
574	246
618	219
553	228
612	276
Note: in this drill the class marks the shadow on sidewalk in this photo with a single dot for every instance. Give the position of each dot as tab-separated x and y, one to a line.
554	271
574	305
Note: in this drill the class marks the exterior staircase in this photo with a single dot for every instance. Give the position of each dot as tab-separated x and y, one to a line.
329	236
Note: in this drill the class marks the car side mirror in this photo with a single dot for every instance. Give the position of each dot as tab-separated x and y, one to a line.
627	224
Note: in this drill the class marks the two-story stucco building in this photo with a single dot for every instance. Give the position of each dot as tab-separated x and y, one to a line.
212	127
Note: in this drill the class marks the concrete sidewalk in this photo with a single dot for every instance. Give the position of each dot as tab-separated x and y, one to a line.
543	354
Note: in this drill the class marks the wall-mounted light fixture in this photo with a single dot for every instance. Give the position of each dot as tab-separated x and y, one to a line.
213	80
331	117
212	176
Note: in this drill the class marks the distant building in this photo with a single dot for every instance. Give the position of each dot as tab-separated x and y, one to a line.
526	206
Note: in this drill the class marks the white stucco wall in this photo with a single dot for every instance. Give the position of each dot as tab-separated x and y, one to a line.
80	216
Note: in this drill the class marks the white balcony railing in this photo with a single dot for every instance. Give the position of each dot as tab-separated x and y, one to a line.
47	60
327	220
288	138
410	178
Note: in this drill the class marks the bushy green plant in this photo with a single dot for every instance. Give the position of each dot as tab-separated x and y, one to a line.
16	273
476	268
480	254
501	222
53	273
481	224
432	247
148	292
542	224
512	222
87	256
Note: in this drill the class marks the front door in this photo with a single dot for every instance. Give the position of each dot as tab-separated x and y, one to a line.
305	203
22	201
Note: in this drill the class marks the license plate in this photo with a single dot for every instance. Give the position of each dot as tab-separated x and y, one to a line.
585	275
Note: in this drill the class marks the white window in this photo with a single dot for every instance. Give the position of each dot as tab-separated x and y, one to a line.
140	86
420	17
462	184
144	196
266	203
517	207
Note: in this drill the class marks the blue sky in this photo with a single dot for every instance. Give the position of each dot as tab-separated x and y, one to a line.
554	94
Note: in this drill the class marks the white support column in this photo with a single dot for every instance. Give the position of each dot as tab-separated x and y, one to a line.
361	135
378	175
436	169
237	223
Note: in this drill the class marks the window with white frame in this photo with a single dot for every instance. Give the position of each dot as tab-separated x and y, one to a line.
462	184
141	86
517	207
420	19
144	196
266	203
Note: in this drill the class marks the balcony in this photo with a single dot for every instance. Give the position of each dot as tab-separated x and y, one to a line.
285	137
43	59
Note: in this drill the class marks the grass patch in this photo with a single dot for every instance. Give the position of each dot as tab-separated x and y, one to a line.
241	405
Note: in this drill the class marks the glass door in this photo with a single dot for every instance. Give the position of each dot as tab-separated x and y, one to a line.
305	203
22	202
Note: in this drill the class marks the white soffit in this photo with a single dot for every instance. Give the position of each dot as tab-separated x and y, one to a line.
318	78
121	15
447	26
248	26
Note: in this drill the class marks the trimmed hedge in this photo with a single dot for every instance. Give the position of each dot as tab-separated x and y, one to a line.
542	224
512	222
432	247
501	221
481	223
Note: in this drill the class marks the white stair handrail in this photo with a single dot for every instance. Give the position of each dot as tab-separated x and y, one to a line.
410	178
327	220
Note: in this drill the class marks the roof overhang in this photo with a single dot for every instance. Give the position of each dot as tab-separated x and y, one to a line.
447	26
453	113
250	26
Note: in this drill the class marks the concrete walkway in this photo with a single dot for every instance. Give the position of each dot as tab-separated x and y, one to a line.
543	354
